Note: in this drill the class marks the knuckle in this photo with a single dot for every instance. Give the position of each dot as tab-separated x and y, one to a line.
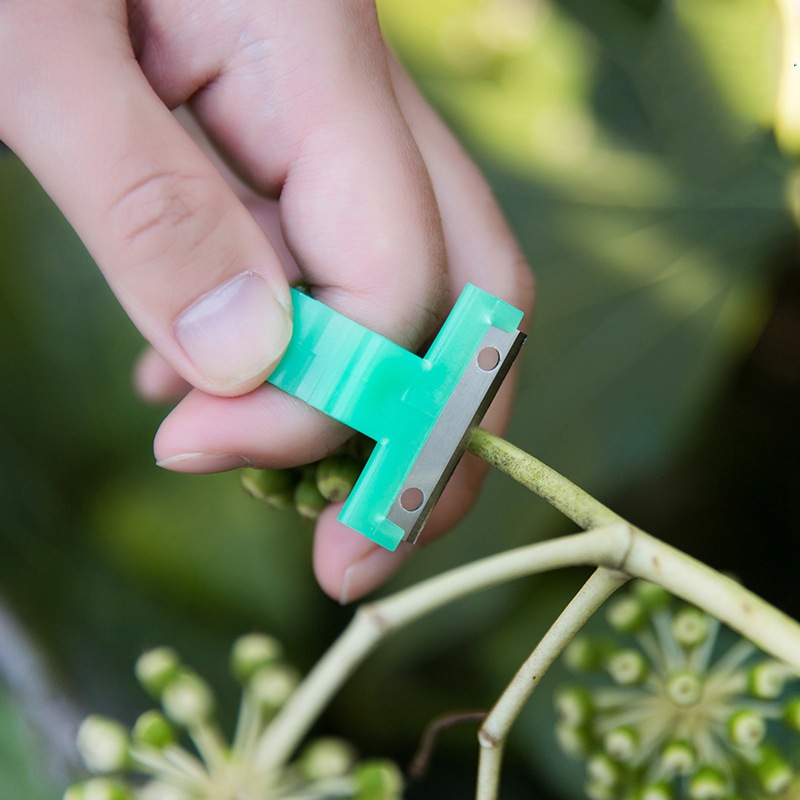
162	210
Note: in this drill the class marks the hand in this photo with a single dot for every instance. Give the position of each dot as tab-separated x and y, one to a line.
343	173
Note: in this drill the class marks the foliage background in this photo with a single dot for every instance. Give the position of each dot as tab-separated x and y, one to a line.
644	156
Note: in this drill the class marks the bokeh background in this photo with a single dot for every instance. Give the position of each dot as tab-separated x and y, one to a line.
644	152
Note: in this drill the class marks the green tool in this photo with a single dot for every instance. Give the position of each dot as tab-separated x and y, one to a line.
420	411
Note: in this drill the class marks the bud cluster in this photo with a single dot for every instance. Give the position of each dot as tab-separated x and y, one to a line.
664	711
149	762
311	488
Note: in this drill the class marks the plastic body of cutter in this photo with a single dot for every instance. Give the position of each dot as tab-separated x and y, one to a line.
419	410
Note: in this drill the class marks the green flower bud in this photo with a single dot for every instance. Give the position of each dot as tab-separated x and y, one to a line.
307	499
602	771
651	595
103	744
253	651
327	758
774	773
187	700
573	706
684	689
98	789
153	729
746	729
708	783
336	476
690	627
583	654
791	714
378	780
272	685
678	758
574	742
156	668
768	679
628	667
621	744
658	791
273	486
627	614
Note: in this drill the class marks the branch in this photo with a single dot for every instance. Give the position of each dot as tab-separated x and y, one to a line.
494	731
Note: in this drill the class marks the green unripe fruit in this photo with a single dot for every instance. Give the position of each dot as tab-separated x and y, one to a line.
273	486
336	476
153	729
307	499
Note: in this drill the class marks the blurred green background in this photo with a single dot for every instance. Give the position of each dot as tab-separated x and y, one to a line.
643	152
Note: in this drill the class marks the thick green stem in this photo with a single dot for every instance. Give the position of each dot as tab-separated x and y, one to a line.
557	490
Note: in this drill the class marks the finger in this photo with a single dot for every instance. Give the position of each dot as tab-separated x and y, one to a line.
356	208
156	381
482	250
186	259
323	129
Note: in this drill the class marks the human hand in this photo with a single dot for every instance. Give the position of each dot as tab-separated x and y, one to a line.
343	170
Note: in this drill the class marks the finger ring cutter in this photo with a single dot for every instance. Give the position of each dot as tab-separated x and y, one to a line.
420	410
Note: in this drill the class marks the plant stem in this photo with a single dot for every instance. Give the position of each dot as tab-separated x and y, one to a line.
495	729
376	621
620	551
551	486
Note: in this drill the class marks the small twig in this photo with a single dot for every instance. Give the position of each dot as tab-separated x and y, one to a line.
420	763
494	731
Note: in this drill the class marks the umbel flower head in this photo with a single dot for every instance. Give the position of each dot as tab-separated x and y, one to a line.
150	763
666	712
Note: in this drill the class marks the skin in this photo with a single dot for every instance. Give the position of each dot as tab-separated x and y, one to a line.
300	147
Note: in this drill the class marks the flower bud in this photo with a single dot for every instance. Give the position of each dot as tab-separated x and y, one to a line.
103	744
253	651
708	783
768	679
273	486
627	614
583	654
651	595
336	476
627	667
573	706
774	773
574	742
791	714
746	729
684	689
621	744
187	700
153	729
690	627
657	791
98	789
307	499
602	771
272	685
156	668
327	758
678	758
378	780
